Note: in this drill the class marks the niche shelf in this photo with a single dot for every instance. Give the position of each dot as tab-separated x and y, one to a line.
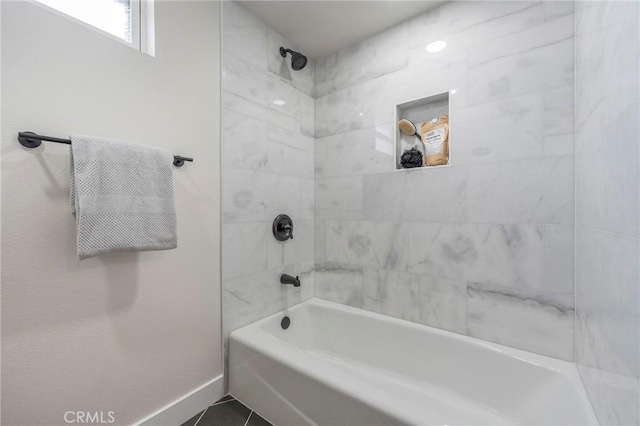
418	111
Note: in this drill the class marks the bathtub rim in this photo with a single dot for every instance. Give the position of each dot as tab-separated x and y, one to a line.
256	337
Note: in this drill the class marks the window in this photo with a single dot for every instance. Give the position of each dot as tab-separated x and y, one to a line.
129	21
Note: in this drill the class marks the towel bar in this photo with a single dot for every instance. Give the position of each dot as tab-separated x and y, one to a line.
33	140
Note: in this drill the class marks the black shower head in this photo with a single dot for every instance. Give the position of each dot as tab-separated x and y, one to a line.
298	60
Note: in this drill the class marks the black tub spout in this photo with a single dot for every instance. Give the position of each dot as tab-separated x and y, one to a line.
288	279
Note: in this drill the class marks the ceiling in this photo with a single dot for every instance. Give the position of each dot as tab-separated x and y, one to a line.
319	28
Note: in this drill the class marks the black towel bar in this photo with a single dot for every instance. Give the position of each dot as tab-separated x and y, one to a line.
33	140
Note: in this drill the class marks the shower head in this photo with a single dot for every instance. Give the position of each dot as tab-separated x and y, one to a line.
298	60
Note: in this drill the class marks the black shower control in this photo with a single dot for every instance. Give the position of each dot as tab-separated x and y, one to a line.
282	227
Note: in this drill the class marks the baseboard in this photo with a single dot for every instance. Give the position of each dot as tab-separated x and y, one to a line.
185	407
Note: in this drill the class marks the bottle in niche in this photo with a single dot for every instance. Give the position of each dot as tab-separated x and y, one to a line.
435	136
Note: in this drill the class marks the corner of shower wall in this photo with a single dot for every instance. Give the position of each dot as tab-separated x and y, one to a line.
268	169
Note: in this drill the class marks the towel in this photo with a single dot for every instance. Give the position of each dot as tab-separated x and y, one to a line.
122	195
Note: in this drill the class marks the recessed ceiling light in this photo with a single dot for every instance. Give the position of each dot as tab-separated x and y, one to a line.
453	91
436	46
279	102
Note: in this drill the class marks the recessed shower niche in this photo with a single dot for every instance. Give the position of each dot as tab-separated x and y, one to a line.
423	133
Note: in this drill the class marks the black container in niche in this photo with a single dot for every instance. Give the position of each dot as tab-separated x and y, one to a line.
285	323
411	158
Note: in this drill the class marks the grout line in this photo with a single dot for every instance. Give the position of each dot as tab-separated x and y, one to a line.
575	202
604	231
221	402
197	421
247	422
543	232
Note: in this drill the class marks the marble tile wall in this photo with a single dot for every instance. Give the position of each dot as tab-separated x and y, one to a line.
608	207
268	169
484	247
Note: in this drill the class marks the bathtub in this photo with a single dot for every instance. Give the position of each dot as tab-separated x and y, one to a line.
338	365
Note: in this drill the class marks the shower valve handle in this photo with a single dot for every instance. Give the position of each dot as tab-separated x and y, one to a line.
282	228
288	229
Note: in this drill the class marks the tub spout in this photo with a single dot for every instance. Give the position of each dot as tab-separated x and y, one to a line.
288	279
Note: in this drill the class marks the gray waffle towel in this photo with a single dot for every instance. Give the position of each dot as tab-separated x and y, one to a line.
123	197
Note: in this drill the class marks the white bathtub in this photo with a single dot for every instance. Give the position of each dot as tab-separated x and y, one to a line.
337	365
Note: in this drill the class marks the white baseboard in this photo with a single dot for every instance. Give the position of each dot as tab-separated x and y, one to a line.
187	406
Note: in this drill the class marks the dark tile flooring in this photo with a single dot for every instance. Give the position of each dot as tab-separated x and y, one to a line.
227	412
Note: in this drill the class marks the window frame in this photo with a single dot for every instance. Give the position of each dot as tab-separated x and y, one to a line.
142	14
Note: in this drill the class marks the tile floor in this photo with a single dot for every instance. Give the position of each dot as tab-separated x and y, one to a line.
227	412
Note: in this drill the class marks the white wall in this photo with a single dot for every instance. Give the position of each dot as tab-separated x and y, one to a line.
127	333
608	207
483	247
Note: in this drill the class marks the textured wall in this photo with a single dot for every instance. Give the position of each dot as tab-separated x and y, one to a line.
483	247
127	333
267	170
607	207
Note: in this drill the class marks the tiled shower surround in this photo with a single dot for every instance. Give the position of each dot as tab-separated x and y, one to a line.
268	169
608	207
483	247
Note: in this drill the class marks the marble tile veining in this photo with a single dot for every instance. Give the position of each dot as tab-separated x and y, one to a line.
247	141
558	145
522	318
508	255
614	397
507	129
291	161
373	244
249	196
558	111
339	283
526	72
245	249
526	191
414	244
608	276
393	293
456	17
362	62
531	37
558	247
555	9
444	303
274	119
268	169
361	152
244	34
339	198
608	192
607	146
417	195
435	301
